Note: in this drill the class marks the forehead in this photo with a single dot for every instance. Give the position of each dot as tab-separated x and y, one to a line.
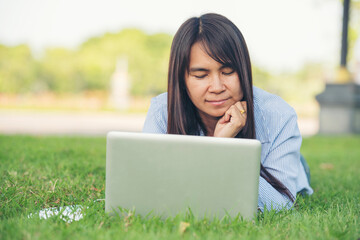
199	57
202	56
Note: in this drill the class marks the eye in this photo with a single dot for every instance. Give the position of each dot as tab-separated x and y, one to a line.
227	73
200	77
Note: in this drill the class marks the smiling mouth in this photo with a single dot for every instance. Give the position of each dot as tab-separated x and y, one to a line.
217	102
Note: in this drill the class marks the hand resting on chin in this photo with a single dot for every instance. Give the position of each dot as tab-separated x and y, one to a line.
232	122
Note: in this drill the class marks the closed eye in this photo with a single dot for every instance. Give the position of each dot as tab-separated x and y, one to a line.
228	73
200	77
227	70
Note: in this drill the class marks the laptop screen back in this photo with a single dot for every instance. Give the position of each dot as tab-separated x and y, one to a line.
168	174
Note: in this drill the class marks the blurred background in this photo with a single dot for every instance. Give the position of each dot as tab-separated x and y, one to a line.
88	67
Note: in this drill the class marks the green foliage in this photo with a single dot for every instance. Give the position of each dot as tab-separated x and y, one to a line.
58	71
147	58
262	79
354	27
42	172
18	69
89	67
299	87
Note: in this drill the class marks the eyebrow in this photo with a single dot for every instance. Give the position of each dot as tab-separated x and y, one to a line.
199	70
195	69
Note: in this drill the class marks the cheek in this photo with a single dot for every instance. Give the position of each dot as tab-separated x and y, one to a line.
236	88
196	88
240	94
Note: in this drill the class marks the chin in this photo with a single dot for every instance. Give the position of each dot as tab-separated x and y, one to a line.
217	114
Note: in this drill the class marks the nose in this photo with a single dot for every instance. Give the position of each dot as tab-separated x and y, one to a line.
216	84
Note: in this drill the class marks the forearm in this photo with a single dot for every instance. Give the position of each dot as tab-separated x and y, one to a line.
270	198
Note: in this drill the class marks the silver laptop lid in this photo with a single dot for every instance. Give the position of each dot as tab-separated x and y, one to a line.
166	174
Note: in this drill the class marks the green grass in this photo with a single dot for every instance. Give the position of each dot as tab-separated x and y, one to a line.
43	172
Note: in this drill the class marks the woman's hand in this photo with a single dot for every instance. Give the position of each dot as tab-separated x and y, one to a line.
232	122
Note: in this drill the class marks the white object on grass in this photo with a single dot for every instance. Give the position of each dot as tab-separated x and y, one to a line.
67	213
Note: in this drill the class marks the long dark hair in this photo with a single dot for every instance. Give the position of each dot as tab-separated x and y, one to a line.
224	42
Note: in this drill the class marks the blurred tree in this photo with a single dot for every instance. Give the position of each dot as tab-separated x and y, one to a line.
354	26
262	79
58	71
147	56
18	69
89	68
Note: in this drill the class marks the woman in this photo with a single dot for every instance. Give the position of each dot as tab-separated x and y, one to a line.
210	93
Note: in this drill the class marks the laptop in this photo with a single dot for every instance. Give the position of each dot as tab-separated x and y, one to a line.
165	175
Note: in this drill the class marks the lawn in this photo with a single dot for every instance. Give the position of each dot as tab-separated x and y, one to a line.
44	172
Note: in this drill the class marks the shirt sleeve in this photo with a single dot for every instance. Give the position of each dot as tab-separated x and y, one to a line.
282	161
156	118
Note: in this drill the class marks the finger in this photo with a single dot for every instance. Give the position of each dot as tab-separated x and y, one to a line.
241	106
234	112
237	120
228	114
222	120
244	105
225	118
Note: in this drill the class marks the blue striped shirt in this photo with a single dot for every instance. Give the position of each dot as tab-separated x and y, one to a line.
277	130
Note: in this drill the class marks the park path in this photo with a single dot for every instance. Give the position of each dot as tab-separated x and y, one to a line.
68	123
88	123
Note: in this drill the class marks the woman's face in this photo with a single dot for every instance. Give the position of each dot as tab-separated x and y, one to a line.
211	86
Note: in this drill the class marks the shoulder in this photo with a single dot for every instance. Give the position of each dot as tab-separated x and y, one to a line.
159	104
272	113
156	118
270	104
160	101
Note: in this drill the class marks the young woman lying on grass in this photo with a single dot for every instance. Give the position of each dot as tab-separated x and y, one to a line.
210	93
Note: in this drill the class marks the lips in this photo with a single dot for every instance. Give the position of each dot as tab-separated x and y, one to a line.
217	102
